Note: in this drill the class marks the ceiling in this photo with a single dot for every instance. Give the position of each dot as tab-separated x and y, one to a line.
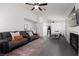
54	11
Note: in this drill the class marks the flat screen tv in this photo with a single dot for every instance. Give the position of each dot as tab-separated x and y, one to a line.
77	17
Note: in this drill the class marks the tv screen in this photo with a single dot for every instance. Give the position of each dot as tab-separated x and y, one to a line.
77	17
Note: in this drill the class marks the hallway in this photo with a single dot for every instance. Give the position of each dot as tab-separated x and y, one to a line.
57	47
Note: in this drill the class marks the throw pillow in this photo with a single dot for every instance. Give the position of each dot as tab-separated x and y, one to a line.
14	34
20	37
30	33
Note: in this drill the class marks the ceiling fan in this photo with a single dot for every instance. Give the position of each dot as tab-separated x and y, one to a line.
37	5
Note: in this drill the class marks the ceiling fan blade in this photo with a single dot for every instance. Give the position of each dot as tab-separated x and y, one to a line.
40	9
29	3
33	8
42	4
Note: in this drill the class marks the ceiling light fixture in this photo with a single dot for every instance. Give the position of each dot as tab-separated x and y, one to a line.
36	6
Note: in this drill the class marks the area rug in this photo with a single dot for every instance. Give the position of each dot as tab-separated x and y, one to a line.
29	49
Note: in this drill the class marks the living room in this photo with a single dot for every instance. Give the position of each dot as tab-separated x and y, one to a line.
19	17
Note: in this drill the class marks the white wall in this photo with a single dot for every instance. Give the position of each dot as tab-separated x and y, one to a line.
40	29
12	17
45	25
30	26
58	26
77	6
41	26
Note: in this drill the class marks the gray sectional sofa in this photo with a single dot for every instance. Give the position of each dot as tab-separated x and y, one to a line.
7	44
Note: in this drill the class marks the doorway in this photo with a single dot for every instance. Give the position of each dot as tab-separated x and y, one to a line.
49	31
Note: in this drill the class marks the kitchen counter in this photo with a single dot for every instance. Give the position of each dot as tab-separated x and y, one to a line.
74	30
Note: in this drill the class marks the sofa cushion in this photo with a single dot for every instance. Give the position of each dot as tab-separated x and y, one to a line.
7	35
13	44
3	41
24	34
34	37
0	36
